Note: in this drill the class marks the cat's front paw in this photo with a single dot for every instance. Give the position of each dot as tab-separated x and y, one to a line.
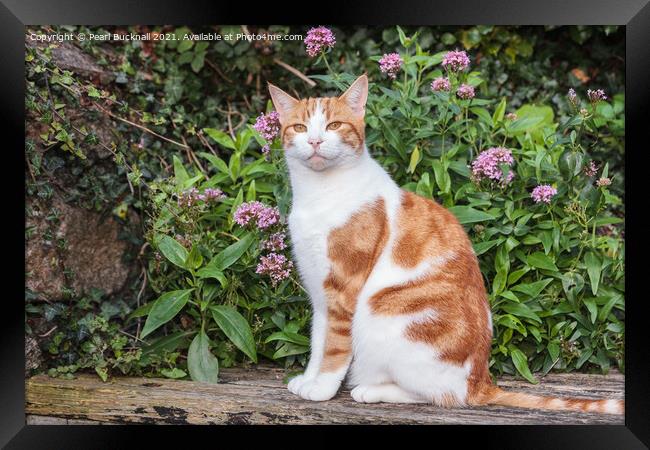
296	383
319	388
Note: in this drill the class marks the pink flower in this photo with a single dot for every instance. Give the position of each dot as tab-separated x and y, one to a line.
264	216
440	84
603	181
573	98
268	125
488	165
596	96
455	61
318	40
543	193
511	116
275	242
390	64
465	91
190	197
276	266
591	169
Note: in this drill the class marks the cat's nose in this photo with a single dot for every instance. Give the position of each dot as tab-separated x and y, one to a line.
315	142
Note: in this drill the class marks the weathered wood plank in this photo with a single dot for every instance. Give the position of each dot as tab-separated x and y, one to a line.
259	396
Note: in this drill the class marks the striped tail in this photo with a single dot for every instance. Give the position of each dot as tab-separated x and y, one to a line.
493	395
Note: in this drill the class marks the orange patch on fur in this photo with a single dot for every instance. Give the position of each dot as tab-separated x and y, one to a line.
353	249
453	290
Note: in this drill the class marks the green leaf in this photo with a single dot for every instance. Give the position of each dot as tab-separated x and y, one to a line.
482	247
499	112
235	328
467	214
594	267
590	303
164	309
521	310
541	261
288	337
174	373
234	165
213	272
521	363
415	159
228	256
141	311
194	258
289	349
532	289
185	45
442	177
201	363
180	174
250	195
173	251
167	343
220	137
198	61
217	162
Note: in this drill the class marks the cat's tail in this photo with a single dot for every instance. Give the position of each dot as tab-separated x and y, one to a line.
494	395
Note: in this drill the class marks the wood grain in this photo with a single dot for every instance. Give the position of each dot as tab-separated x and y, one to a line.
259	396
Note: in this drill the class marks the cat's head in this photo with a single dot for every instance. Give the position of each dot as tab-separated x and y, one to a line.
323	132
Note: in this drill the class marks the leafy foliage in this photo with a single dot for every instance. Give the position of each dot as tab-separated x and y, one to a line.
554	272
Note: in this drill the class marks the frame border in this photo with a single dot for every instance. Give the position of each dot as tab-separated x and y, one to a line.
634	14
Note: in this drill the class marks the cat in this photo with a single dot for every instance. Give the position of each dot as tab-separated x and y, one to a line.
399	304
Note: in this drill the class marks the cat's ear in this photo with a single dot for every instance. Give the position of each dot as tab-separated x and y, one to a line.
282	101
357	95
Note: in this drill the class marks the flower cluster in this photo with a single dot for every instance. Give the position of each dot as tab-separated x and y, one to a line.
603	181
390	64
275	242
190	197
465	92
277	267
595	96
263	216
455	61
591	169
441	84
543	193
318	40
511	116
573	98
268	125
488	164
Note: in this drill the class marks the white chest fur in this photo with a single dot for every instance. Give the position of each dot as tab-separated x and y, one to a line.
323	202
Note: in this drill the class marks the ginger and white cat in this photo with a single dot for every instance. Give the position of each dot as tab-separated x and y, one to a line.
399	304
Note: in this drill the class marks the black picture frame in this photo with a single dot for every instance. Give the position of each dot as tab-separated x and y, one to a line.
16	14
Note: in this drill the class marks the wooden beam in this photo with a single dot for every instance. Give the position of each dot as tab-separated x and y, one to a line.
259	396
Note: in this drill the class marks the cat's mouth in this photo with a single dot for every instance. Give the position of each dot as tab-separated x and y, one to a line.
317	161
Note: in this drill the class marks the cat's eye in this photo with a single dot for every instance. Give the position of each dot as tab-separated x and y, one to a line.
300	128
333	125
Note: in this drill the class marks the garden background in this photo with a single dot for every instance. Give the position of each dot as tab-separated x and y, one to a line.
140	154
